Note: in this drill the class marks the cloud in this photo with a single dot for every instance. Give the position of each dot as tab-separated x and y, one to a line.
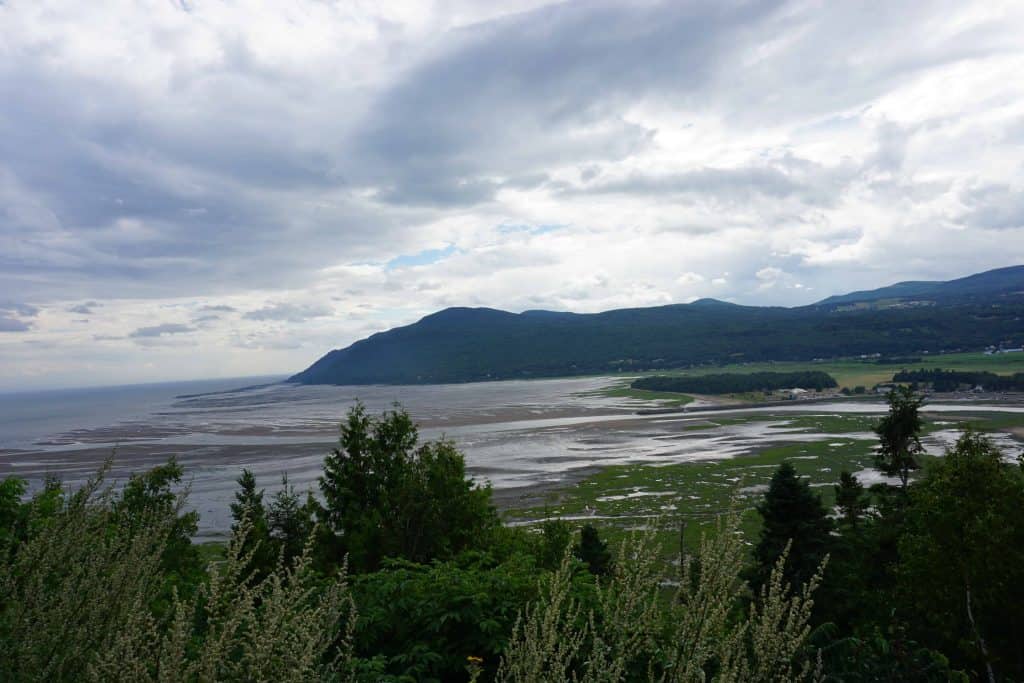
294	313
161	330
993	206
13	325
395	158
23	310
690	279
85	308
12	316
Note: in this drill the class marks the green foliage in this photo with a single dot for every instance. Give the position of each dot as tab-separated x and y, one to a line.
463	344
951	380
851	499
630	632
962	558
82	597
554	540
287	626
12	514
78	577
386	497
153	495
421	622
735	383
794	521
923	584
878	657
291	519
248	509
592	551
899	435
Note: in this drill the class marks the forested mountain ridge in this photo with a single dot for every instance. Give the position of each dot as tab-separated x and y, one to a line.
992	284
474	344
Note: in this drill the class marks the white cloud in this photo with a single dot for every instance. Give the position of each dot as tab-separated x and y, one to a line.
248	170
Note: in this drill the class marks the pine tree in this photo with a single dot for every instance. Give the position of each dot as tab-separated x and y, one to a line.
290	520
249	505
791	513
851	499
593	551
384	496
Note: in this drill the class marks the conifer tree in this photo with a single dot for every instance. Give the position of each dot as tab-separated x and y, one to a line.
791	513
593	551
290	520
851	499
248	505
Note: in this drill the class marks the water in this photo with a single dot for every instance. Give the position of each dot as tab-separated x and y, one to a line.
29	418
519	435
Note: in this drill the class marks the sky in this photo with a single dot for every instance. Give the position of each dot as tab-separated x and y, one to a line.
200	189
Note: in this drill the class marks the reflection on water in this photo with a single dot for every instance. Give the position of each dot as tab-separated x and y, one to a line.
515	434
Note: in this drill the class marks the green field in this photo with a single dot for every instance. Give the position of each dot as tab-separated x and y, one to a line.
664	398
848	373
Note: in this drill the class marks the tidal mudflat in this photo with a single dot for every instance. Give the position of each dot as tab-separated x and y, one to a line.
547	446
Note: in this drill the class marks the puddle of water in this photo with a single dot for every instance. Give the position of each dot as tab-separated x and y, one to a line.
634	494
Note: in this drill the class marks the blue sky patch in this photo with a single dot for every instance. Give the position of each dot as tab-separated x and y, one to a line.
423	258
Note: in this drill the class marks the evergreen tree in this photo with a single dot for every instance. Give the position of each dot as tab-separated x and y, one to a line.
593	551
290	519
554	540
851	499
899	433
248	505
791	512
386	497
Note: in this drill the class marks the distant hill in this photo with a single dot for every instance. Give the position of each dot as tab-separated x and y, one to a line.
988	285
474	344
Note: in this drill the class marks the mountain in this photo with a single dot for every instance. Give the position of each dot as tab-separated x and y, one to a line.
474	344
988	285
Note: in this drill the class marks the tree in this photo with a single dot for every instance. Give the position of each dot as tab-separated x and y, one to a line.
248	502
419	622
962	558
554	540
12	513
851	499
248	510
154	495
290	519
791	514
899	433
386	497
592	551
